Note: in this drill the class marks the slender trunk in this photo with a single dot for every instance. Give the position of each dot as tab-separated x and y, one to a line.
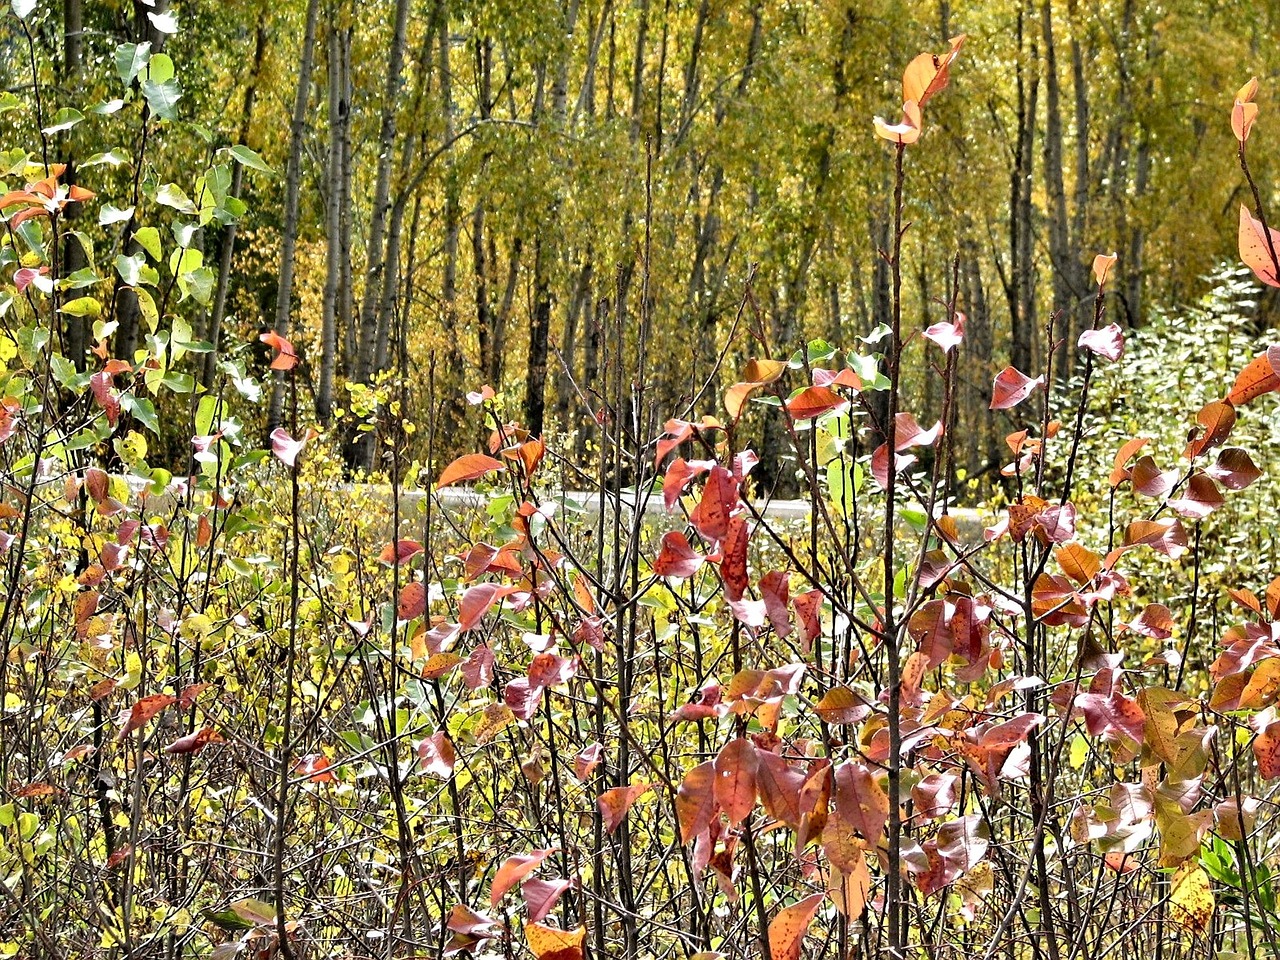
333	226
73	258
637	72
1061	254
360	451
293	183
346	281
539	331
227	247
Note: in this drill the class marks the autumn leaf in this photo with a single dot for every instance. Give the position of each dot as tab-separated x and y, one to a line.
285	358
787	930
1191	902
541	896
696	801
1102	265
616	803
471	466
549	943
1011	387
735	781
513	870
1256	246
814	402
399	552
436	756
906	131
1107	342
676	558
929	74
1257	378
145	710
315	767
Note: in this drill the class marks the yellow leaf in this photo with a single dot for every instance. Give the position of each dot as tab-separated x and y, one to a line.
1191	902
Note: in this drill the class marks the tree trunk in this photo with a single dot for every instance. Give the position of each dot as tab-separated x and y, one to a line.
539	330
214	333
333	226
1061	253
293	182
360	450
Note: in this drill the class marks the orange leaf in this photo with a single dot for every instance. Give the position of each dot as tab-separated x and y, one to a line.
513	870
735	783
1078	562
614	804
1257	378
548	943
144	710
470	466
1102	265
696	801
787	930
400	551
928	74
814	402
1255	251
1217	418
286	357
905	132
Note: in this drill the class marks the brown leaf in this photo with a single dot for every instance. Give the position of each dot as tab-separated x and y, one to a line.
144	710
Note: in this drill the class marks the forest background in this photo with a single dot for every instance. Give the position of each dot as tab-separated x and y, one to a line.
466	189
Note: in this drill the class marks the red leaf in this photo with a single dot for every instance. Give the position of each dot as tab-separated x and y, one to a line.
719	501
696	801
679	475
476	602
735	783
1266	750
1106	342
733	566
787	930
477	669
400	551
860	802
195	741
522	697
102	386
470	466
1200	498
614	804
677	559
144	710
512	871
808	607
540	896
779	783
775	590
1234	468
1011	387
908	433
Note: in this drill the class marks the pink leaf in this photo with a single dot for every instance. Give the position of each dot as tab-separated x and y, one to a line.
1105	342
540	896
512	871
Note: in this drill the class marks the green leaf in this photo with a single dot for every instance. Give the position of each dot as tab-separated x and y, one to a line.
198	284
130	268
9	101
172	195
113	158
149	240
130	59
160	68
110	214
64	119
164	22
248	158
185	260
107	107
143	410
83	307
163	98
